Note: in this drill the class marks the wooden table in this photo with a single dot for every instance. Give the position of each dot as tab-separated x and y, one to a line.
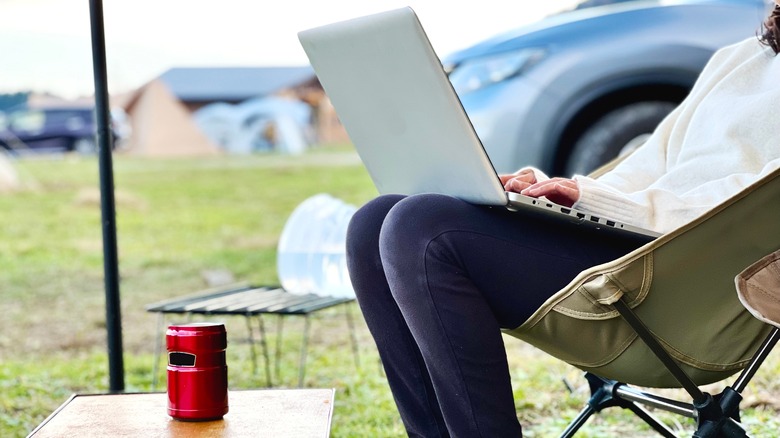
269	413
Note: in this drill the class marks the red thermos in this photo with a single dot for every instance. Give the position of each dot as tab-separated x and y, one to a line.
197	371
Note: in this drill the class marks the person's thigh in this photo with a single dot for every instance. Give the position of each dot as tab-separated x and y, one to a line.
516	260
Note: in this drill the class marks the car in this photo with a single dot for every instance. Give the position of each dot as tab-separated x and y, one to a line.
578	88
54	129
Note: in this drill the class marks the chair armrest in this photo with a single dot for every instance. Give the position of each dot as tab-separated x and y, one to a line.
758	288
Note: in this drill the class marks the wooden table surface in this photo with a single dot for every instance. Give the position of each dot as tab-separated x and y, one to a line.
288	413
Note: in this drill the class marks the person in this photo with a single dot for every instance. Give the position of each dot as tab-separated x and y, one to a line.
437	278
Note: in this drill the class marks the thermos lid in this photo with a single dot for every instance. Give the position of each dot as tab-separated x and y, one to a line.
196	336
208	327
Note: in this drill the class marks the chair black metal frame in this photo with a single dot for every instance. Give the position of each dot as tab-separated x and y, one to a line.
715	416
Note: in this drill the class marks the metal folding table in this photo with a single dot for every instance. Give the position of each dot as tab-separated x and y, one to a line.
254	301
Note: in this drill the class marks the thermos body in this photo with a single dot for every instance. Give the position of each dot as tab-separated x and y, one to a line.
197	371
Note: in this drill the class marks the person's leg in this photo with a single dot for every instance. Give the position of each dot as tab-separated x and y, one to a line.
406	373
459	273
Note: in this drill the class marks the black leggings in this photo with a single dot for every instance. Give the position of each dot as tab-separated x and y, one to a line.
436	279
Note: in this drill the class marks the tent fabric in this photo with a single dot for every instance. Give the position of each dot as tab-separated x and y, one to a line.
260	124
162	126
681	285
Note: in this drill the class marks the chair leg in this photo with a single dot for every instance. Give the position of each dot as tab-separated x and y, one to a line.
758	359
642	413
600	397
727	425
725	428
604	395
650	419
579	421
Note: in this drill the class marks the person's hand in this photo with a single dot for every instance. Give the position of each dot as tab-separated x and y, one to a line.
518	181
562	191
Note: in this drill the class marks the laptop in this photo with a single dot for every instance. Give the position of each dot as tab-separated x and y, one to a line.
406	121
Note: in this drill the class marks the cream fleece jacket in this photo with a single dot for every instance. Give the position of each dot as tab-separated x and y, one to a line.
723	137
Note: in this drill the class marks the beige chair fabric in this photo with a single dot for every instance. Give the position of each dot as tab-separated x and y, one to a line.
758	288
681	285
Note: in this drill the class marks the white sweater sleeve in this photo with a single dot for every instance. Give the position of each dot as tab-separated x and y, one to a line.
721	139
660	209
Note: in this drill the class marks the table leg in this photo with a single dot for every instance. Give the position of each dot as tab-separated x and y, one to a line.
279	329
264	346
304	348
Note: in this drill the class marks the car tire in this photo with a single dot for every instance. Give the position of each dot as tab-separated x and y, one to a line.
615	134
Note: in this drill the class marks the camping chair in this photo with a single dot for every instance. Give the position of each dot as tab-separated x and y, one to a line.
666	315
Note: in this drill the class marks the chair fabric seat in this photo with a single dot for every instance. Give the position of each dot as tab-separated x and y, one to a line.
681	285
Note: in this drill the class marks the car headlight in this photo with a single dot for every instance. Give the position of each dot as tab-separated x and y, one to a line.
478	73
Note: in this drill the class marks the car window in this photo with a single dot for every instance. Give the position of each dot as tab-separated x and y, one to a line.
27	120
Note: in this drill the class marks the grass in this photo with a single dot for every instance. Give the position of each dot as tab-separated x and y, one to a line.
180	219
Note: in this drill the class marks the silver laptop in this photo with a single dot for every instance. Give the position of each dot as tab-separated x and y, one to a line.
405	119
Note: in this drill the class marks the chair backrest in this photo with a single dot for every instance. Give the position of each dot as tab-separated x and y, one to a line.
681	285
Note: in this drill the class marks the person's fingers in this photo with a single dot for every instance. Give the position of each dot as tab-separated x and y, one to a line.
559	190
518	181
564	195
550	185
516	185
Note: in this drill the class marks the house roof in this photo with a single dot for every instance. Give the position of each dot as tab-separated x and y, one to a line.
191	84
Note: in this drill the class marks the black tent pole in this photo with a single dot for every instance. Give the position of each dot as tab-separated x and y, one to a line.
116	371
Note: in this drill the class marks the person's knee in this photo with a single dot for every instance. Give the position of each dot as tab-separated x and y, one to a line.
405	240
363	228
362	243
362	248
412	223
419	217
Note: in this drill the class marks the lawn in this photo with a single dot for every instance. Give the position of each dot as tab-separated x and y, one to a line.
179	220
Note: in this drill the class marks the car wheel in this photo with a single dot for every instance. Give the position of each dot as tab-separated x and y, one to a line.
618	132
85	146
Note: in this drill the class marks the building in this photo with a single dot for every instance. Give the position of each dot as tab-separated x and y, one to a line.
197	87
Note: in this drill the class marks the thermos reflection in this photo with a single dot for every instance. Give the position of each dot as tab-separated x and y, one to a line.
197	371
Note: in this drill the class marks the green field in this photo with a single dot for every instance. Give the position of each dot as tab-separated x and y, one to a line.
181	219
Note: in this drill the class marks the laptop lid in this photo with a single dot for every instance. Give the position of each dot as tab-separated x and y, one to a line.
406	121
399	108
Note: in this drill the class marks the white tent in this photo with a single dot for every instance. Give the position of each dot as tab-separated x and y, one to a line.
263	124
217	121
